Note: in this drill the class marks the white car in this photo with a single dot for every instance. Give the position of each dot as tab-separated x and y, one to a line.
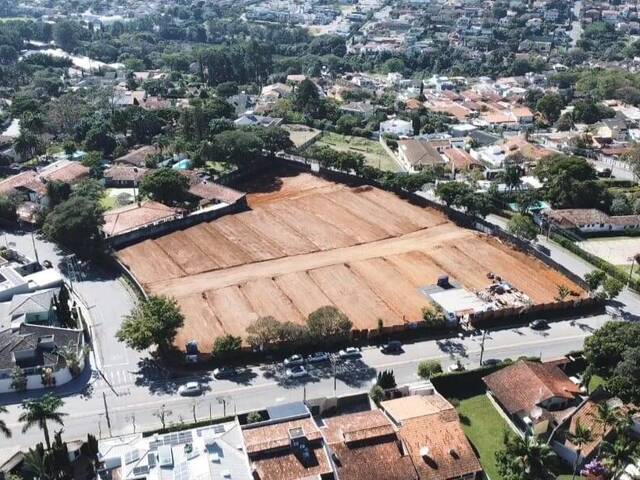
293	360
190	388
350	352
318	357
456	367
296	372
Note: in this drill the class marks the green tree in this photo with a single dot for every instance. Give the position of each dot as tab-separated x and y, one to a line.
39	412
165	185
254	417
8	208
579	437
524	458
377	394
604	349
328	324
522	226
154	321
226	346
452	193
346	124
57	192
99	138
307	96
429	368
619	454
550	105
607	417
612	287
624	381
4	430
63	312
594	279
66	34
75	224
386	380
238	146
263	332
274	139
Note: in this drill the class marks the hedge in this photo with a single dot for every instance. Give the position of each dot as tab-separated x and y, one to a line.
598	262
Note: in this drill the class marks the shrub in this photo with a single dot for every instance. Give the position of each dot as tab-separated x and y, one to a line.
433	317
254	417
226	346
428	368
377	394
386	380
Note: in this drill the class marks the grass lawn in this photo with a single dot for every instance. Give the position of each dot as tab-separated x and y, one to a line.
373	152
107	202
595	382
484	426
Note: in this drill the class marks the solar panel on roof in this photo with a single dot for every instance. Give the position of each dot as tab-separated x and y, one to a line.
151	460
181	472
218	429
155	444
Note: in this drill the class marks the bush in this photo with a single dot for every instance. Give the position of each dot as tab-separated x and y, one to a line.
254	417
226	346
386	380
377	394
428	368
433	317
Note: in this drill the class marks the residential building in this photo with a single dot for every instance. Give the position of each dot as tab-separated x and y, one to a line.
215	452
361	110
397	127
257	120
591	220
416	154
536	396
138	156
36	348
430	431
136	216
365	446
289	447
124	176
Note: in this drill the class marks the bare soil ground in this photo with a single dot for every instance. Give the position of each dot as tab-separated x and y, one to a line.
308	242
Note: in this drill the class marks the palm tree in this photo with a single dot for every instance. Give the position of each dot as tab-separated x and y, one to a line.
3	426
524	458
607	417
620	453
37	412
36	463
579	437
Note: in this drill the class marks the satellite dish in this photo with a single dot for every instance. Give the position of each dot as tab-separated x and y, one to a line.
536	413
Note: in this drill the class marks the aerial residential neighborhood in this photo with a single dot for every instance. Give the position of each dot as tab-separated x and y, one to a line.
298	239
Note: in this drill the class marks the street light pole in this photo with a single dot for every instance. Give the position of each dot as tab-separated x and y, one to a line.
484	336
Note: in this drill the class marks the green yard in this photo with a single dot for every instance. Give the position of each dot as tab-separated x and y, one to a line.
373	152
485	427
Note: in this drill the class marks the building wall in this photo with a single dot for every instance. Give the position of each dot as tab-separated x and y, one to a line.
34	382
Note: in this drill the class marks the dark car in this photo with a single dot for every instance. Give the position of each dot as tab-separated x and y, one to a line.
394	346
539	324
491	362
543	249
225	372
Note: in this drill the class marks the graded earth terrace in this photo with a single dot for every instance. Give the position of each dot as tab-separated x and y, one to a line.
308	242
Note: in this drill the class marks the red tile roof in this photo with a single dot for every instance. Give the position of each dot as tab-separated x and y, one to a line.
523	385
64	171
125	173
132	217
365	446
28	180
438	446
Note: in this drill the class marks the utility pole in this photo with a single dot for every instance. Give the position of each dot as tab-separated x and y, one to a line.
35	250
484	336
334	365
106	411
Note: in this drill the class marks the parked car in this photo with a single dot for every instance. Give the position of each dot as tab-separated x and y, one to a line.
317	357
394	346
293	360
491	362
190	388
539	324
225	372
456	367
350	352
542	249
296	372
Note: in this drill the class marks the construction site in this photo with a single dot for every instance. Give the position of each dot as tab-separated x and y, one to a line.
307	242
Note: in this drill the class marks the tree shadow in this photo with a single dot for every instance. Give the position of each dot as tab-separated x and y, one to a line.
355	373
243	376
158	380
453	348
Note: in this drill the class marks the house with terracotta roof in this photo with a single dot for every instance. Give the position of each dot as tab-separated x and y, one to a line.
124	176
138	156
365	445
136	216
290	449
430	431
587	417
460	161
536	396
415	154
591	220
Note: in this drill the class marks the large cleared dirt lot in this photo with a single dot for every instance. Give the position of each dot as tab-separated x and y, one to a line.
308	242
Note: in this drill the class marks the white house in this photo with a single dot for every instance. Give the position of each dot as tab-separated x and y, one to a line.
395	126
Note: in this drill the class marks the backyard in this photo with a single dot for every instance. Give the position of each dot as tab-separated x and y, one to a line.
484	427
373	152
